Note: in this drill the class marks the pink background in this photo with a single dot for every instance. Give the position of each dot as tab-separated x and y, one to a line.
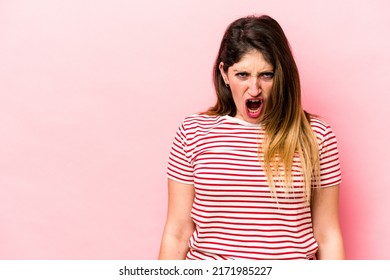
91	93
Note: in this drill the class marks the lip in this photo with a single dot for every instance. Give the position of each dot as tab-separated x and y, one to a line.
254	98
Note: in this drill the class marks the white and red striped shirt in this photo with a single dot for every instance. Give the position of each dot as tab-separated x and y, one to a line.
235	213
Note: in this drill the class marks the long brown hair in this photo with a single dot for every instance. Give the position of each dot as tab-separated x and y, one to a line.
287	126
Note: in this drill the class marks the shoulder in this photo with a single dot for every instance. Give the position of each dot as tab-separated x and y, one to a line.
320	126
200	126
201	120
323	131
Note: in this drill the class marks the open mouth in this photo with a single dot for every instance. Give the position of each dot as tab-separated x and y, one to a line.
254	107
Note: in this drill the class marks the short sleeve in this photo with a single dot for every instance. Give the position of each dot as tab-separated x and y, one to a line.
179	164
330	171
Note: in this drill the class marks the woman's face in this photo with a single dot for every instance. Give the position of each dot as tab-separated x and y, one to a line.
250	81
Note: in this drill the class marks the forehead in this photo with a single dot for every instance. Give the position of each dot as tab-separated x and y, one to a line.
253	59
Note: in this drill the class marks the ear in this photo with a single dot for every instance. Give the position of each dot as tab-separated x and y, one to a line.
224	75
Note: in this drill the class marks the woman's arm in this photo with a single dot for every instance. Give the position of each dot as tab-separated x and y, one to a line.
179	225
326	225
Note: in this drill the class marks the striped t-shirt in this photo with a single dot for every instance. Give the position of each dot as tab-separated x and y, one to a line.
235	212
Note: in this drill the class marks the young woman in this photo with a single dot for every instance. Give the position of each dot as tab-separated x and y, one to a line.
254	177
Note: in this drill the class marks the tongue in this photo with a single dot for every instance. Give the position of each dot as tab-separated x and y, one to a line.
253	105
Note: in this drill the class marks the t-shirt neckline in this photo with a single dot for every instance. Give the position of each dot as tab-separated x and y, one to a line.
240	121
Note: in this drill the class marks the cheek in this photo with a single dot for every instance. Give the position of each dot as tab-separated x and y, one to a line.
238	88
267	89
237	97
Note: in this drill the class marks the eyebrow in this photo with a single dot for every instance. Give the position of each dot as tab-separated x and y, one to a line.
245	71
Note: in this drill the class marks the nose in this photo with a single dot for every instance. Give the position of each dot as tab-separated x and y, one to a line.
254	87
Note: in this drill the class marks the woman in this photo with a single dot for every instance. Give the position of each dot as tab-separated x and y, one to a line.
254	177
